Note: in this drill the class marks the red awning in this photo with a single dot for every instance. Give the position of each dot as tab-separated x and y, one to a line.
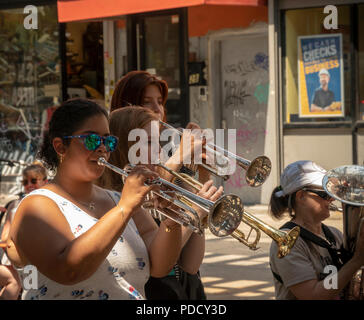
77	10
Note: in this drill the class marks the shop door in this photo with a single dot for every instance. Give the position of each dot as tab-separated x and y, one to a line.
158	46
244	87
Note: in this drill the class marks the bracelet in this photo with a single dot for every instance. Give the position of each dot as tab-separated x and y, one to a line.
121	210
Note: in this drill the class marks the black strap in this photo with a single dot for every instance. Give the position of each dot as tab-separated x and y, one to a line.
276	275
309	236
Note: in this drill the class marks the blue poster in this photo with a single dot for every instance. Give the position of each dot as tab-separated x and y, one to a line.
320	70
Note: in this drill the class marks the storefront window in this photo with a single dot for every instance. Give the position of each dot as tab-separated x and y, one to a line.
162	50
361	62
30	86
317	67
85	62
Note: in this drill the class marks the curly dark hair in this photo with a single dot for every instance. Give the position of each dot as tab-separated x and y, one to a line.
67	119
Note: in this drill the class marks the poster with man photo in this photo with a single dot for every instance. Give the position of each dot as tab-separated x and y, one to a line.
320	76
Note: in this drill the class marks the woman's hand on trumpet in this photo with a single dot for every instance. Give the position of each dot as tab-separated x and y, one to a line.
135	189
192	142
210	192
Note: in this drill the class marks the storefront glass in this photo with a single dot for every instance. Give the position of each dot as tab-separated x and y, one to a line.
30	87
361	61
162	45
84	62
317	73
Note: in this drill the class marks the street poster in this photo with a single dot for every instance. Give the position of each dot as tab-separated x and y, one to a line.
320	76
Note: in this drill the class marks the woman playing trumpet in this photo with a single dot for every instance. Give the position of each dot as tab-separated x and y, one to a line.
87	242
303	273
140	88
122	122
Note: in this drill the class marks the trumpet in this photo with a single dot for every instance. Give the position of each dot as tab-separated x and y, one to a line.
285	240
332	207
257	170
224	215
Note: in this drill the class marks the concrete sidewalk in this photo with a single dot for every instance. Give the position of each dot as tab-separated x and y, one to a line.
231	271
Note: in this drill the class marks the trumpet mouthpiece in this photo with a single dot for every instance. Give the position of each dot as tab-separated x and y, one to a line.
101	161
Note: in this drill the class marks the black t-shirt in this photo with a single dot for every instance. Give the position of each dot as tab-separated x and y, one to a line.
323	98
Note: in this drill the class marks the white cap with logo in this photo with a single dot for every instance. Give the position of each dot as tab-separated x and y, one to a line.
298	175
324	71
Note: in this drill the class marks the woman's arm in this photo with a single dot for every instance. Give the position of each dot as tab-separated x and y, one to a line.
163	242
8	219
55	251
9	283
314	289
193	253
193	244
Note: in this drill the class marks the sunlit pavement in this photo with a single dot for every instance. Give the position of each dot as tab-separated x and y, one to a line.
231	271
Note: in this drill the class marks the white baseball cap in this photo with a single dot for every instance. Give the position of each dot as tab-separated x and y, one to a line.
300	174
324	71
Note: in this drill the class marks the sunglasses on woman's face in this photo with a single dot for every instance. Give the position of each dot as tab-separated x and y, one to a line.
32	181
321	193
93	141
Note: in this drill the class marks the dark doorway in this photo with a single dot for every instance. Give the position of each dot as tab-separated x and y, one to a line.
157	43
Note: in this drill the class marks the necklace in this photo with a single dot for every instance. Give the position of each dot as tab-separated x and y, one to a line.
90	205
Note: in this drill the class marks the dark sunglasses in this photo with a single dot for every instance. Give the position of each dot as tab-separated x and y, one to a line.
93	141
32	181
321	193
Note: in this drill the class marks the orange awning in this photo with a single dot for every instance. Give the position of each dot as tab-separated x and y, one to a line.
77	10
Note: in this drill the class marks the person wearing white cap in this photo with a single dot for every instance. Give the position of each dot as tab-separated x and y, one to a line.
318	252
323	97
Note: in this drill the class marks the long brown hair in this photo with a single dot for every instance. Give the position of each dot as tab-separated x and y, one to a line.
280	206
122	121
130	90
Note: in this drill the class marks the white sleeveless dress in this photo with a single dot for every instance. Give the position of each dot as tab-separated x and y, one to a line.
121	276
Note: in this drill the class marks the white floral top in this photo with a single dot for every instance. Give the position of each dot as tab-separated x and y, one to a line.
122	275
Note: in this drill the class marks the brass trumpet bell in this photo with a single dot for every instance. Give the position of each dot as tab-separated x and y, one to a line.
226	215
258	171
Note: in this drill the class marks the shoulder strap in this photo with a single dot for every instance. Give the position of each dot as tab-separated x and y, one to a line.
309	236
328	234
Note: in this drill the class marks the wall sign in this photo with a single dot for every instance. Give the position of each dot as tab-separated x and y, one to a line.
320	80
